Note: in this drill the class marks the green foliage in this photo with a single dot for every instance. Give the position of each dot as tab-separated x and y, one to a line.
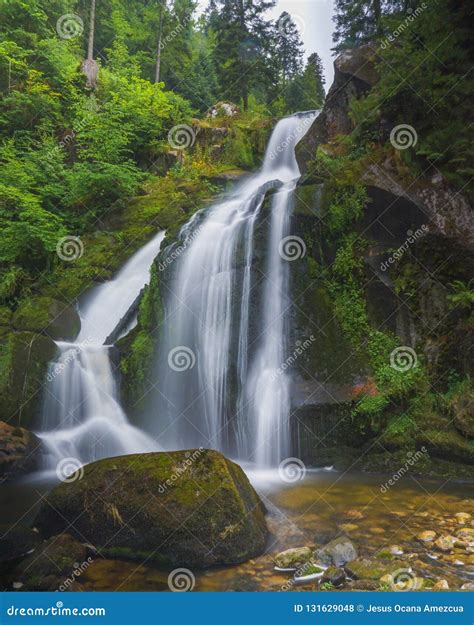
462	296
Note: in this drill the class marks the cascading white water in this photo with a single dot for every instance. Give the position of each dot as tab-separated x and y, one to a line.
218	371
82	418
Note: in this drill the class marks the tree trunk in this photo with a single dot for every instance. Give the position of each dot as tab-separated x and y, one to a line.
377	16
160	36
90	47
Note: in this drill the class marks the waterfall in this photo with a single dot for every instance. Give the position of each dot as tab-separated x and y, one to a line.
224	336
82	419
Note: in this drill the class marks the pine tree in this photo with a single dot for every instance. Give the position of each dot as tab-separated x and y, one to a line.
306	92
243	46
288	48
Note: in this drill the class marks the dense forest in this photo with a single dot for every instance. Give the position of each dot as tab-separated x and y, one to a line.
123	120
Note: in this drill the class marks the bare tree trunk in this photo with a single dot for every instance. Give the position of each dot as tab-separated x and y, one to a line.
160	36
90	67
90	48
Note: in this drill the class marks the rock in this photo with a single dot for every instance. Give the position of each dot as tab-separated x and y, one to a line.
46	315
462	517
191	508
337	552
441	584
17	541
51	564
445	543
463	410
19	451
468	586
293	558
23	368
363	584
335	575
466	533
349	515
363	568
427	536
223	109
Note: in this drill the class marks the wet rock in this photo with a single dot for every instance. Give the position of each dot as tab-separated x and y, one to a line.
462	517
349	515
466	533
468	586
334	575
19	451
337	552
445	543
193	508
293	558
17	541
441	584
363	584
427	536
363	568
51	564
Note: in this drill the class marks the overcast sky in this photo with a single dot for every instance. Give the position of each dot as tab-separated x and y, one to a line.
313	18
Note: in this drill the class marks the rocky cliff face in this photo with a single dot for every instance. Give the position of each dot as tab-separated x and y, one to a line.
418	244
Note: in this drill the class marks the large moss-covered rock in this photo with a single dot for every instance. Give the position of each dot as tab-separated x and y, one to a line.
24	358
16	541
48	316
337	552
195	508
19	450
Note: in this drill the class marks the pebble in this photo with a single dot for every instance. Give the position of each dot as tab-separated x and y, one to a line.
442	584
427	536
462	517
445	543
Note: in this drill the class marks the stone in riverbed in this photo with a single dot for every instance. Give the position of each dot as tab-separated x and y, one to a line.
191	508
52	564
445	543
466	533
335	575
363	568
337	552
293	558
427	536
441	584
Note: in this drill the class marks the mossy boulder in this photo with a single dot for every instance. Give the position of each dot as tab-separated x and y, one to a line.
363	568
51	564
19	450
293	558
24	358
191	508
46	315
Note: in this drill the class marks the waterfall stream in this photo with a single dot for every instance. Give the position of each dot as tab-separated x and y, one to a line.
82	419
225	331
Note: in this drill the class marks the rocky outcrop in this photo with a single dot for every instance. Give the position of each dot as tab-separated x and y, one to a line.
19	451
191	508
23	368
48	316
